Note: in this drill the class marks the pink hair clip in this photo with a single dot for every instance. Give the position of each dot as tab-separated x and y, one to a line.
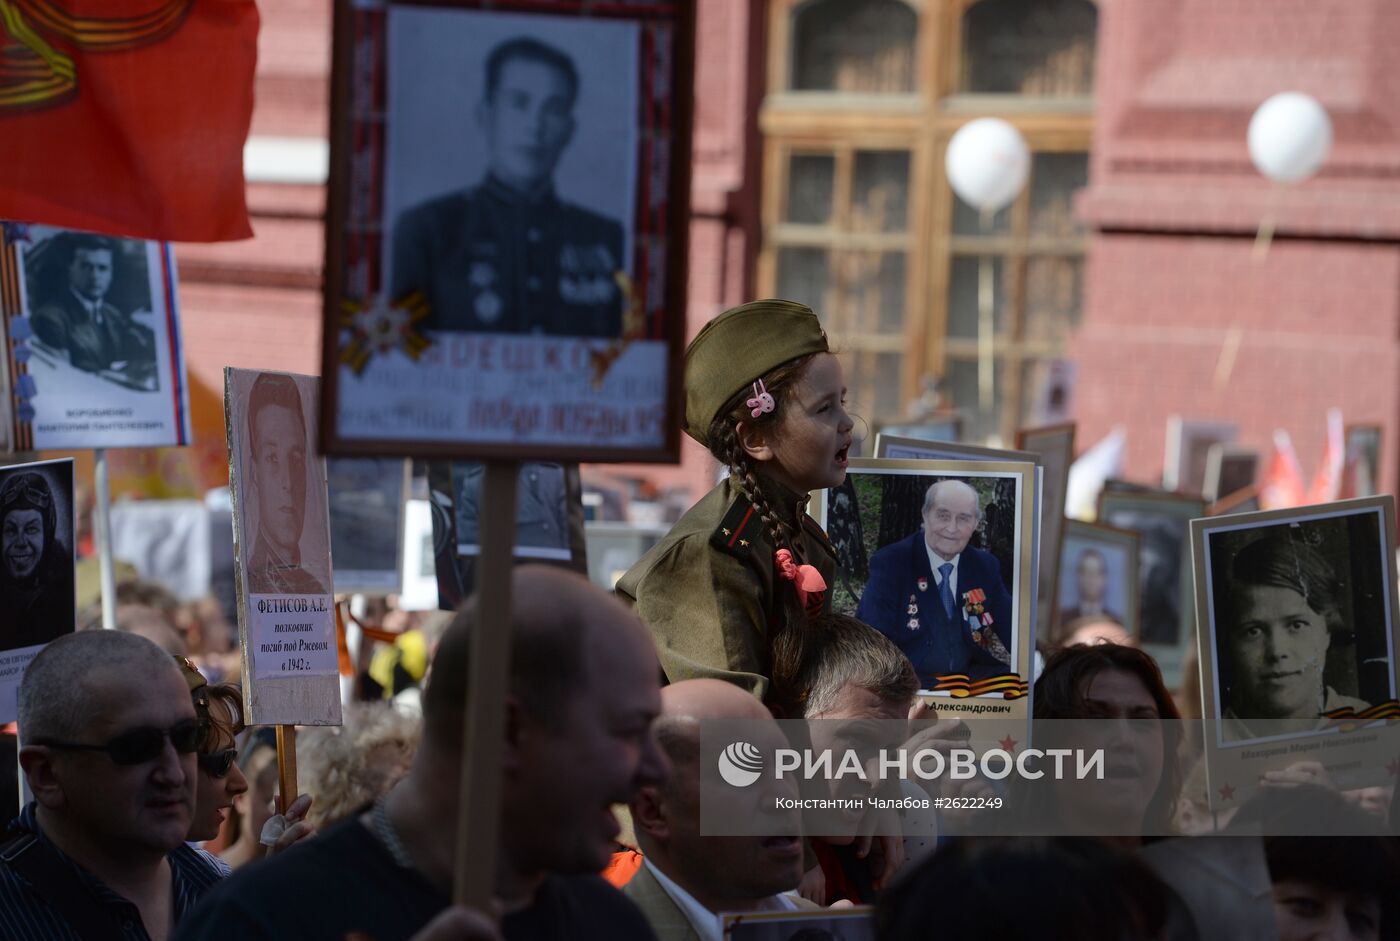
762	402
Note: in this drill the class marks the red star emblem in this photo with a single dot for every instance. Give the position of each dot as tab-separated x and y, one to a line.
1227	793
1007	744
1393	767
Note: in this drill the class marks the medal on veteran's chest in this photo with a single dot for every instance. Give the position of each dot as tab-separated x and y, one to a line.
913	611
923	584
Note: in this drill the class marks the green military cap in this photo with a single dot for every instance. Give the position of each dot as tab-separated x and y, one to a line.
738	347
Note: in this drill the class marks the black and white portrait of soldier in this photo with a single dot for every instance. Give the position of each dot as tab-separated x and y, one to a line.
1288	626
36	556
87	294
502	239
277	452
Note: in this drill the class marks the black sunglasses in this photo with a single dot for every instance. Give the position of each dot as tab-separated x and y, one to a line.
144	744
219	763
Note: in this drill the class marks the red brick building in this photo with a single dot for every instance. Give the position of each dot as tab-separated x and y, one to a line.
1181	313
819	140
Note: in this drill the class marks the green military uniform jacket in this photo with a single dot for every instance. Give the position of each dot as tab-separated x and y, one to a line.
707	590
492	259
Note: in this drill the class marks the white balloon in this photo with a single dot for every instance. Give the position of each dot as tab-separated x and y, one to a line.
1289	137
987	163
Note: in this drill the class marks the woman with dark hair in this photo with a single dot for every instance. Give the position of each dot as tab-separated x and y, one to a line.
36	564
1333	870
1137	725
1274	617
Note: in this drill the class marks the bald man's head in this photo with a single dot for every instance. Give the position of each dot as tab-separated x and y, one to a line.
562	628
64	684
686	704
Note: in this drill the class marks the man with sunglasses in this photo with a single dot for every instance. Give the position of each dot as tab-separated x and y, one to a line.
108	738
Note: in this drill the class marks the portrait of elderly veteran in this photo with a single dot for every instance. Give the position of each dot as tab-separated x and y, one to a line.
509	255
75	317
109	751
687	879
920	592
277	455
1275	615
36	564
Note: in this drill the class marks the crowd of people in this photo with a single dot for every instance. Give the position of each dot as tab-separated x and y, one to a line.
155	812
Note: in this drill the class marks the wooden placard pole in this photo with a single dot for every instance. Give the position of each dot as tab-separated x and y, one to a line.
286	767
487	682
103	526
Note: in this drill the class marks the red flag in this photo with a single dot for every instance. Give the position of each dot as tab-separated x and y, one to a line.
1282	484
1327	485
127	116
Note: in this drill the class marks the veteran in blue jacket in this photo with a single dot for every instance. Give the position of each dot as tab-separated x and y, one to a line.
922	592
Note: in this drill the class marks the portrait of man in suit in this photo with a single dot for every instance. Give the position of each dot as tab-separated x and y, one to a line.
509	254
942	601
277	448
1092	584
75	317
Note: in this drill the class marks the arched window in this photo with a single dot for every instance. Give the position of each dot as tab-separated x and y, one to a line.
854	46
1034	48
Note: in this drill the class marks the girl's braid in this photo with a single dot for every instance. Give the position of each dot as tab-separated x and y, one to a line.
725	443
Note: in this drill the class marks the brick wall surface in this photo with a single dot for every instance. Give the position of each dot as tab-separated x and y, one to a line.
1174	277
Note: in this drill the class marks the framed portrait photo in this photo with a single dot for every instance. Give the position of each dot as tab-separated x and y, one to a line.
938	557
367	497
1361	468
1229	469
1054	446
1297	643
37	599
1098	584
94	349
856	923
548	521
1241	501
1188	445
282	543
1166	617
508	216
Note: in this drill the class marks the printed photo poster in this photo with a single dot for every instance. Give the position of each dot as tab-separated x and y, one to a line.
1097	596
282	539
507	230
1361	467
549	525
1188	448
1229	469
1298	642
94	348
1054	447
1166	615
856	923
898	447
938	557
37	600
367	498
